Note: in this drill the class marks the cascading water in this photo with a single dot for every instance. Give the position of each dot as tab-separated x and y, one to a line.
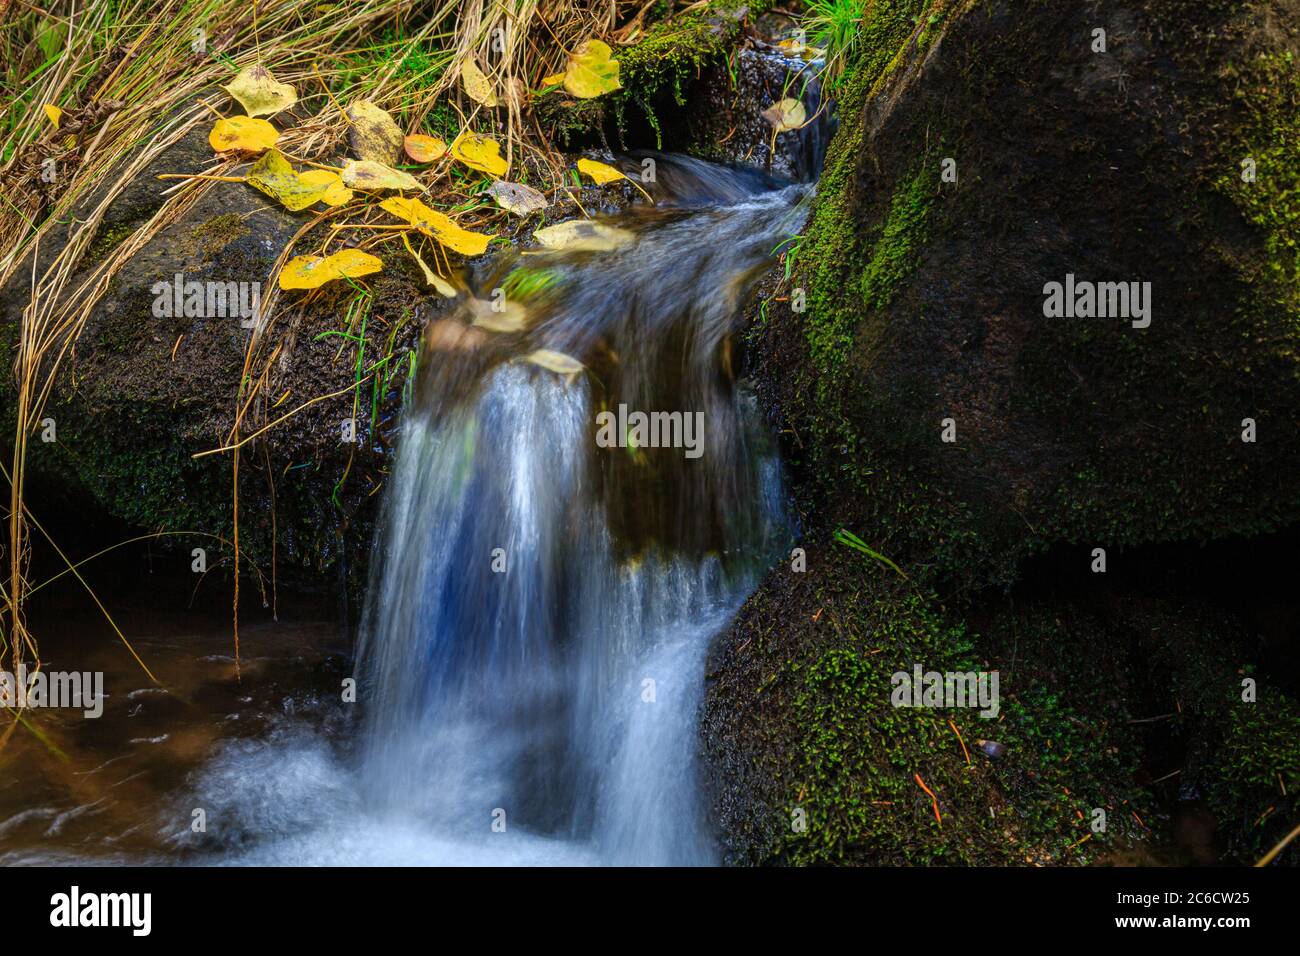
533	649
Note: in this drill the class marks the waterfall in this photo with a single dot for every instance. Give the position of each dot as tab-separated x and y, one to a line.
532	651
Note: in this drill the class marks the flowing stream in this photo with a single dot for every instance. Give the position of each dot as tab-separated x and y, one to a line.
546	581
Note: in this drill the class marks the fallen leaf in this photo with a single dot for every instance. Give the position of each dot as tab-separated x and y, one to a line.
499	315
374	136
555	79
786	115
440	285
54	113
591	71
424	149
243	133
437	225
367	174
336	193
273	175
599	172
259	93
583	235
479	152
477	86
312	272
556	362
516	197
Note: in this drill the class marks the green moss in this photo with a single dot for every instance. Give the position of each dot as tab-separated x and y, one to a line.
858	757
1255	776
108	238
212	236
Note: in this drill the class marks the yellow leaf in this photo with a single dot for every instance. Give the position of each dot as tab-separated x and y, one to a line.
516	197
555	79
599	172
424	149
479	152
556	362
591	71
374	135
259	93
499	315
786	115
582	235
440	285
273	175
437	225
54	113
371	175
243	133
477	86
336	193
312	272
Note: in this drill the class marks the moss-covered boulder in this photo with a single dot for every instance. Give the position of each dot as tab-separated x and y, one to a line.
932	402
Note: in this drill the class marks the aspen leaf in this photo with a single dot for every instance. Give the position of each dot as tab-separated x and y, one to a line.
243	133
516	197
599	172
54	113
374	136
591	71
424	149
477	86
440	285
259	93
556	362
336	193
582	235
514	318
312	272
786	115
367	174
437	225
273	175
479	152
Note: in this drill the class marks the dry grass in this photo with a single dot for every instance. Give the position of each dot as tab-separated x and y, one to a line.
130	85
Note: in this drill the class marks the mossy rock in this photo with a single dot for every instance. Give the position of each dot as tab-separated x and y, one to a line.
926	296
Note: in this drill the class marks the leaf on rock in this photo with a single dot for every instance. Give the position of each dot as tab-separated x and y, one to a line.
273	175
479	152
54	113
312	272
424	149
243	133
500	315
583	235
374	135
786	115
477	86
556	362
599	172
259	93
367	174
555	79
437	225
592	71
517	198
336	193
